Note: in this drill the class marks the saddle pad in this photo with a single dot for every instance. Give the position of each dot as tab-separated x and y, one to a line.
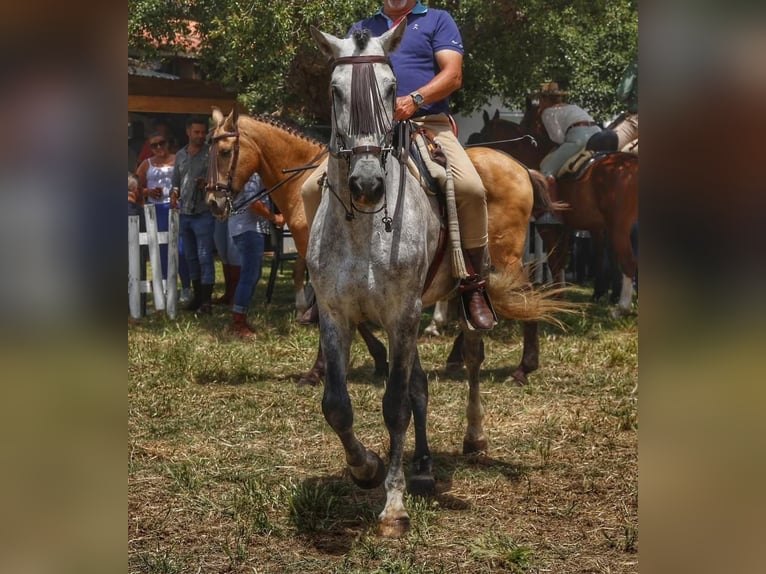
575	163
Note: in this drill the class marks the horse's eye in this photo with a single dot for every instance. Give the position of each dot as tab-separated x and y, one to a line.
225	152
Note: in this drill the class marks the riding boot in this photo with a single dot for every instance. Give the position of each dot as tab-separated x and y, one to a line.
473	290
206	305
196	299
240	327
225	299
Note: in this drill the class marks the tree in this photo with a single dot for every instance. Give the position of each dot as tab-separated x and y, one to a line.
263	50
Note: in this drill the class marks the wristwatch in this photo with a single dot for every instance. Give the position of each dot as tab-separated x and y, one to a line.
418	98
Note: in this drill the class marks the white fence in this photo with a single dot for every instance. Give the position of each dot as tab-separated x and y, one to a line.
165	293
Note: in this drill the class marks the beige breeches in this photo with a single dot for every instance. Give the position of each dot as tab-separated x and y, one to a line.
470	195
626	130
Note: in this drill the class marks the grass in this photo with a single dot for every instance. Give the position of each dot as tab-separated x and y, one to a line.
232	467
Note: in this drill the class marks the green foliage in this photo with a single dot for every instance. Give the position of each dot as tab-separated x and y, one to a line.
263	49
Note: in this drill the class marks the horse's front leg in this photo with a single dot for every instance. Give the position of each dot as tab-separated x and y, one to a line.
473	354
366	467
422	479
439	320
397	408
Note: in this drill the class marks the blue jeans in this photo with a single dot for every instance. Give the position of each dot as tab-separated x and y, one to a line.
163	219
250	245
224	244
197	233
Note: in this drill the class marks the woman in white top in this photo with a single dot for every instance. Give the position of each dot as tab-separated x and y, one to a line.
154	175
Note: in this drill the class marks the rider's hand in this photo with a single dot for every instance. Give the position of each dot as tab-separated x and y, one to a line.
279	220
405	107
174	199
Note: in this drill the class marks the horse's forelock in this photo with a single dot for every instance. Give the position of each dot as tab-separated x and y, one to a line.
361	38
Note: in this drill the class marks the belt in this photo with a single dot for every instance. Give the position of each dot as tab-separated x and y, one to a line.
581	124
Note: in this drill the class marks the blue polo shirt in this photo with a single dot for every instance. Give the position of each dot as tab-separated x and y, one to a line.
428	31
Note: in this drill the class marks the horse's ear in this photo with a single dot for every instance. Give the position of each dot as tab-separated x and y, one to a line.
327	43
486	116
217	116
393	38
497	114
228	123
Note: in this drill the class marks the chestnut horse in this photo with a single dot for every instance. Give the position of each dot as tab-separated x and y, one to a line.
603	200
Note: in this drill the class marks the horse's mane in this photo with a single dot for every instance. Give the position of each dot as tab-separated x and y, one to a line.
282	125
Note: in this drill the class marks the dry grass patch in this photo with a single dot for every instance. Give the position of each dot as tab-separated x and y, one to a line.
232	467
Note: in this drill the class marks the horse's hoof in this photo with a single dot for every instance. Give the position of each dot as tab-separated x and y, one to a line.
474	446
395	527
377	478
520	377
432	331
310	379
422	485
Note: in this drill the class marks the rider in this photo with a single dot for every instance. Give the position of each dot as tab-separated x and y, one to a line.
568	125
429	67
627	92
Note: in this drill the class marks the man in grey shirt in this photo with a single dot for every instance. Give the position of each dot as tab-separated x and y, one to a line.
196	220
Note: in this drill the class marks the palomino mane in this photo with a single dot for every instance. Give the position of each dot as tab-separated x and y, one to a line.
281	125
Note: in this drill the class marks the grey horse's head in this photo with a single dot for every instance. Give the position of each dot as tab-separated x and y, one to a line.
363	95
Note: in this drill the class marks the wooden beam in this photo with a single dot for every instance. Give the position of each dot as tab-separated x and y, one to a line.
179	105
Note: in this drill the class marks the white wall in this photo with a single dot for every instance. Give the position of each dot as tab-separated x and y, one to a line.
473	123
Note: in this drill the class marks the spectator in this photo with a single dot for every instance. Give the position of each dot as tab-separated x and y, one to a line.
248	227
155	175
146	151
626	126
197	223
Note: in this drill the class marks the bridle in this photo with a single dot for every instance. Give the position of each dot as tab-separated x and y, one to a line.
366	117
212	168
228	190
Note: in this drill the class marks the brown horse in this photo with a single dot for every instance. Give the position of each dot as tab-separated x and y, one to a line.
602	200
247	144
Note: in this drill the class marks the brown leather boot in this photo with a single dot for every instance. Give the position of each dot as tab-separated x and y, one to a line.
240	327
473	290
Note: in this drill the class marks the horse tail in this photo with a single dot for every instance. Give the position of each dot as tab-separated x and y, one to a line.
514	298
542	202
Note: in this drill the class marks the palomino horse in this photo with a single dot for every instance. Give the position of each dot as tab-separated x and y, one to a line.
604	200
244	144
374	237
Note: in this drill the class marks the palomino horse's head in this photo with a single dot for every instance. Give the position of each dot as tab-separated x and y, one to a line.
224	181
363	95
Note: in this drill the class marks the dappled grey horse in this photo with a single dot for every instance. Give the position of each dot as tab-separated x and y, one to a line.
370	246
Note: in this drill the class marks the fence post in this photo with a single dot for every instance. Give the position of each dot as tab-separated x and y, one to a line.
154	256
134	267
171	285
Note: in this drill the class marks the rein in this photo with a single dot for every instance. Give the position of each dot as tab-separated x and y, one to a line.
530	137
